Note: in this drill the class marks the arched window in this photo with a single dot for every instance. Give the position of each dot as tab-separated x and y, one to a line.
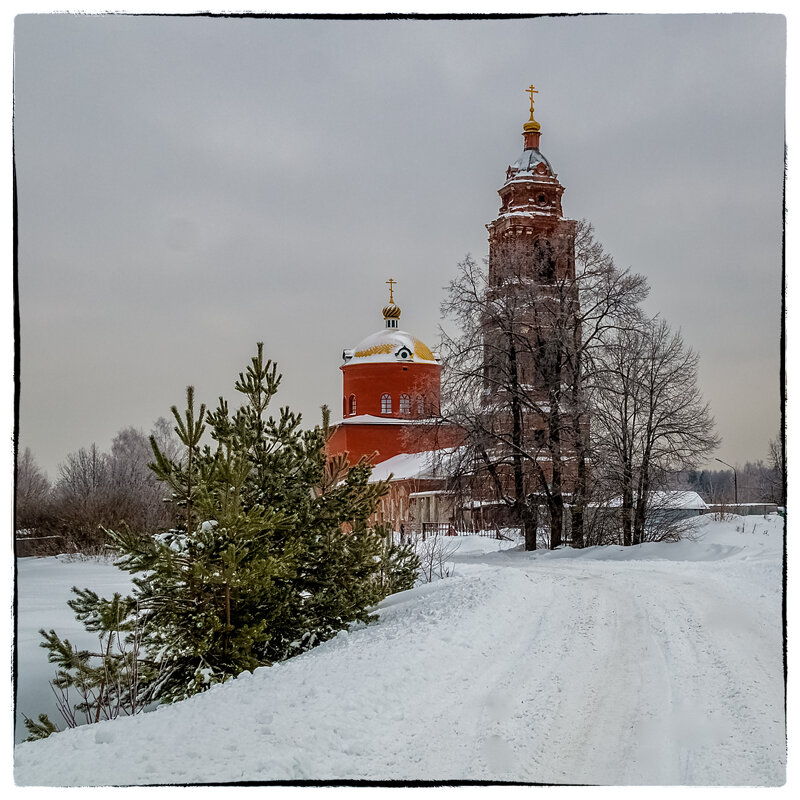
405	404
386	403
344	406
352	404
420	406
544	262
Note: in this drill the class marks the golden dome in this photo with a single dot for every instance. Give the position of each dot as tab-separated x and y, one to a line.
391	345
421	350
391	311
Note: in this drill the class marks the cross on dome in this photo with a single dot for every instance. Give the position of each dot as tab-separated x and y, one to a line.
391	312
531	91
532	125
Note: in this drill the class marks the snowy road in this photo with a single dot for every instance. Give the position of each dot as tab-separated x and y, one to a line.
653	665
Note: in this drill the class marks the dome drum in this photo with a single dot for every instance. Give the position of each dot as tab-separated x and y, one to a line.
391	391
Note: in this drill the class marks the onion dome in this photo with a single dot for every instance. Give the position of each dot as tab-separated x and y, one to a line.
531	125
391	313
531	129
391	345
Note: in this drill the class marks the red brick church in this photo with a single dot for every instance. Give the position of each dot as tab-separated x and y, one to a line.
392	380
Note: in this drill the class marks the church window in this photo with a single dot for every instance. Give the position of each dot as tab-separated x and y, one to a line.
405	404
420	406
544	261
344	406
386	403
352	404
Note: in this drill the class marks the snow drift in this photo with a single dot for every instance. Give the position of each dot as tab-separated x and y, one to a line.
657	664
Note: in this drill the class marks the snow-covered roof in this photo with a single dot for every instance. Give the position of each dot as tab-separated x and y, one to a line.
668	499
390	345
371	419
405	466
689	500
529	160
519	211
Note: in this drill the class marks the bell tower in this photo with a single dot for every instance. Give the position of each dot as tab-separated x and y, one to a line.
532	278
530	239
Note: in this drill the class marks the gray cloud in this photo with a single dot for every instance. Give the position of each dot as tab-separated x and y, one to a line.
188	186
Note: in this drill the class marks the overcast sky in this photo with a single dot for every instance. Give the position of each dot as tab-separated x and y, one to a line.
190	186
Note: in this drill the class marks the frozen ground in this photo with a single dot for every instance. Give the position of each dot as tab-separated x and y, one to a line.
660	664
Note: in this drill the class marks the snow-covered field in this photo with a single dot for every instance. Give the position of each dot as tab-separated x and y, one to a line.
43	588
660	664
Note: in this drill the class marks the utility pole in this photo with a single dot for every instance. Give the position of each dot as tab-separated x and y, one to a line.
735	484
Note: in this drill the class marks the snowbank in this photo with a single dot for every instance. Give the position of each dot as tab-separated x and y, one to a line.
660	664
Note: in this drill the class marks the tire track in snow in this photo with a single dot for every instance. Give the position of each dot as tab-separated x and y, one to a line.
726	666
589	736
526	667
646	690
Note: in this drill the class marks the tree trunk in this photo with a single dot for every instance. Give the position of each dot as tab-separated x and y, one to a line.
530	526
576	523
580	490
556	508
521	505
555	496
627	505
641	501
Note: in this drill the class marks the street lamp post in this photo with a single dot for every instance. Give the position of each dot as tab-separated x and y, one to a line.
735	484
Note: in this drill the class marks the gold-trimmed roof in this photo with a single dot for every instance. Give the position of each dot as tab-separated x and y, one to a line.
385	346
421	350
374	350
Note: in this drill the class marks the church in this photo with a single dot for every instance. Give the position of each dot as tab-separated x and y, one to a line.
391	380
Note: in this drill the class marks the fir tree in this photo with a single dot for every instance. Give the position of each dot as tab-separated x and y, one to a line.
273	554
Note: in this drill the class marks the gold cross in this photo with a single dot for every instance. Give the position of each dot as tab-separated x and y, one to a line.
391	283
531	91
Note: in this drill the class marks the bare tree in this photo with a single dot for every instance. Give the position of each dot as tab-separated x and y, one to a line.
609	301
163	434
516	369
649	415
137	494
483	387
776	479
435	553
82	496
98	490
32	493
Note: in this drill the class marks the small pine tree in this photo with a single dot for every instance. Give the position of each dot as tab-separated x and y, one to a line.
113	680
273	554
39	728
400	564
